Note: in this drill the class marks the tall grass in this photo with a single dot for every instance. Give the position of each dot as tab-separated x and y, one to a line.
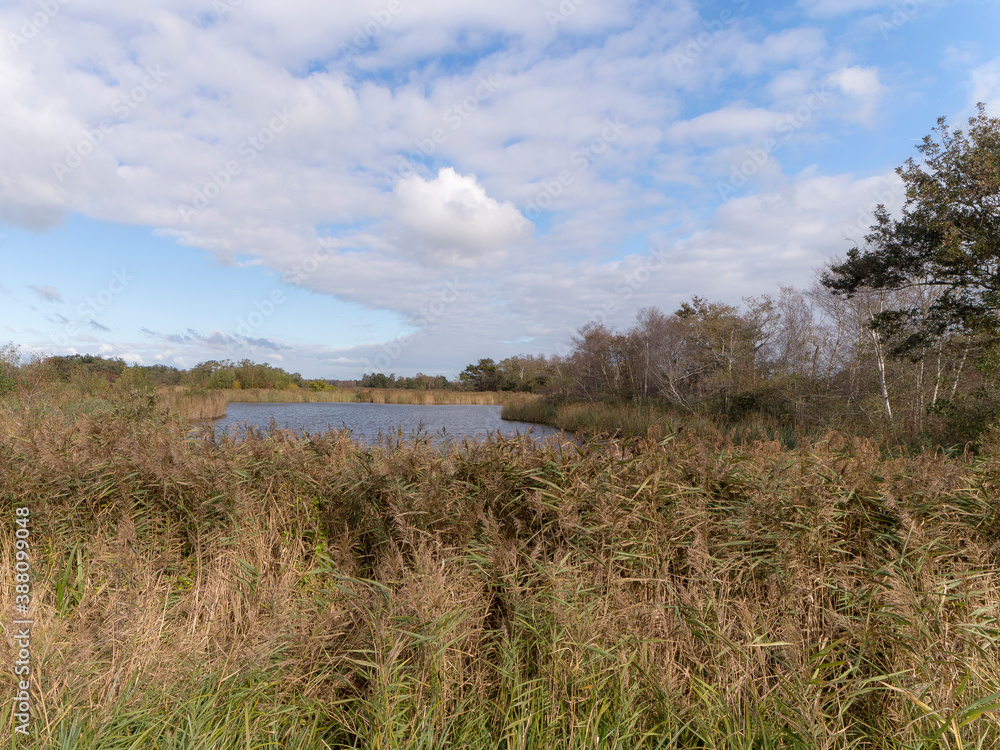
601	418
196	405
629	420
681	592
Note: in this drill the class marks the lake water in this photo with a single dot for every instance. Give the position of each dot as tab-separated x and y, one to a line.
367	421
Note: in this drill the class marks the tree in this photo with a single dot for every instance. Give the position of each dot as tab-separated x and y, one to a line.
948	236
67	366
660	357
483	376
163	375
796	344
243	374
377	380
733	346
525	372
595	364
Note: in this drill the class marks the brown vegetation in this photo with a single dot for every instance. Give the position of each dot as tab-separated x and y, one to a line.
670	592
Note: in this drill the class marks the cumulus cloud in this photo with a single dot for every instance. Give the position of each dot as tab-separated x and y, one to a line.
451	220
37	121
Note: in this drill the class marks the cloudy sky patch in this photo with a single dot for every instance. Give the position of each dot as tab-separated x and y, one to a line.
344	187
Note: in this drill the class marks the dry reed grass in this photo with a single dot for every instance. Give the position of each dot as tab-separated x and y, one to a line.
630	420
667	593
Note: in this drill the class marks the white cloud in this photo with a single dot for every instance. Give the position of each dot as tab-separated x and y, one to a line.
864	91
792	46
986	86
451	220
732	122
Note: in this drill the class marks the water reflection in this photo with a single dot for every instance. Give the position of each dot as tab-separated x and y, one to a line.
368	422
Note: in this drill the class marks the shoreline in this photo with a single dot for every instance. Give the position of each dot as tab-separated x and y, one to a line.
209	405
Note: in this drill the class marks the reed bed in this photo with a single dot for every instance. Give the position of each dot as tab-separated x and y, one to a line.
678	592
597	418
197	405
630	420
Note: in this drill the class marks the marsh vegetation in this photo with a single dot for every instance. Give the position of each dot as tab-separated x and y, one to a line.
673	591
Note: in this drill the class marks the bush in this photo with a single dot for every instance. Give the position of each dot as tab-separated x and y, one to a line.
963	420
767	400
244	374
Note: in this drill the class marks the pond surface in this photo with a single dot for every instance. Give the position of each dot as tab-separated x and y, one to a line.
367	421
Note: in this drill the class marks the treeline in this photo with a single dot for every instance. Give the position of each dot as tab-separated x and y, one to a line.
805	358
210	375
418	382
524	373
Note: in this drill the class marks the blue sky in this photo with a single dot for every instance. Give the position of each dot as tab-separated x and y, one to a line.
342	187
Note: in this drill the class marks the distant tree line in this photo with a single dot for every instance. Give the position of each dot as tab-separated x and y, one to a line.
210	375
419	382
214	374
